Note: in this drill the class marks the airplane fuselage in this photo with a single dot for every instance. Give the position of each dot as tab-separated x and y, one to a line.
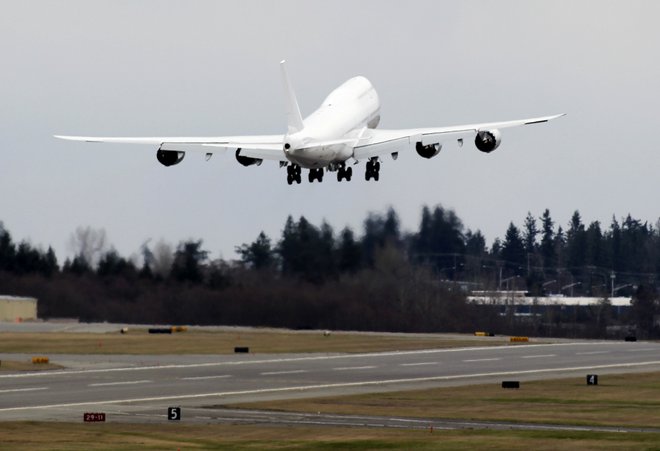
343	116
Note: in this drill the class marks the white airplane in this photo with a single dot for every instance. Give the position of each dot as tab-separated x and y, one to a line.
343	128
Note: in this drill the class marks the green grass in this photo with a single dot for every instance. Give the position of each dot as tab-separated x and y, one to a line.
223	342
15	365
630	400
32	436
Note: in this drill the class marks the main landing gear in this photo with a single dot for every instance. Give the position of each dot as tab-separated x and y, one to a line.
373	169
315	174
344	173
293	174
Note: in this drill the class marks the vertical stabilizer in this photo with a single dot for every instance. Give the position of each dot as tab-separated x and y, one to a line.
293	117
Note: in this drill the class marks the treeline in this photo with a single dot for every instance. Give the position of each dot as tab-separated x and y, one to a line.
314	277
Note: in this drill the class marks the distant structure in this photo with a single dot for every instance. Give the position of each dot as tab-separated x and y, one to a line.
520	304
14	308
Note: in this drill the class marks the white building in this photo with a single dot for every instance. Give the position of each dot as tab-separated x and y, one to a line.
14	308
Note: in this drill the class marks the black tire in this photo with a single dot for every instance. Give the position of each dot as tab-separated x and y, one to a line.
289	179
367	175
310	176
376	176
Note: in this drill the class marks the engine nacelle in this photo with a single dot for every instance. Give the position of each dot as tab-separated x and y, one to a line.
428	151
488	140
247	161
170	157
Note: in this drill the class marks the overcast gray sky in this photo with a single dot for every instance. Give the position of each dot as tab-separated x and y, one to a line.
204	68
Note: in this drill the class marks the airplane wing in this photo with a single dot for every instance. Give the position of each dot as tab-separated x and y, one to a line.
375	142
265	147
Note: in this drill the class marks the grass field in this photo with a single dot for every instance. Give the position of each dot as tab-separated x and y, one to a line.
22	436
223	342
630	400
13	365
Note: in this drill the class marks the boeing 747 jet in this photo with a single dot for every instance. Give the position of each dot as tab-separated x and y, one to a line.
340	132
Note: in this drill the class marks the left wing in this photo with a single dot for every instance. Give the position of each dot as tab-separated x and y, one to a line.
269	147
375	142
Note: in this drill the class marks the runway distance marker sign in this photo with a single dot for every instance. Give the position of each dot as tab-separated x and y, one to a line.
174	413
93	417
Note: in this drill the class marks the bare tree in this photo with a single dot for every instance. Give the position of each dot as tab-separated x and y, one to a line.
162	258
89	244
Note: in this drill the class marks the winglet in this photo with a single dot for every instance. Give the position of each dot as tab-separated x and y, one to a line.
294	119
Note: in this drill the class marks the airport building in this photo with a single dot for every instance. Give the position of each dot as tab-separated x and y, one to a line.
14	308
518	303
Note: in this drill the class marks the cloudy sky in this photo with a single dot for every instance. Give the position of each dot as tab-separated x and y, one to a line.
205	68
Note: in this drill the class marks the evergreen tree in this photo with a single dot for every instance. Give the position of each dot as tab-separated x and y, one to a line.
547	240
349	253
7	250
576	243
475	244
513	249
188	260
595	255
50	263
529	234
259	254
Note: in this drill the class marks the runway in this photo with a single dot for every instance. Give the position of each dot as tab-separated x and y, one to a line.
140	388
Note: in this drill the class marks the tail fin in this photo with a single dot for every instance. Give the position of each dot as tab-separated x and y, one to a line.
293	117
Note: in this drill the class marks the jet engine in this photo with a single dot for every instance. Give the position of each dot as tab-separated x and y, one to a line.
247	161
170	157
428	151
488	140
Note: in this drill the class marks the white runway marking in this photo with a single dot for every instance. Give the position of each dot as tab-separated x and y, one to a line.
482	360
269	373
539	356
327	386
15	390
292	359
108	384
592	353
348	368
643	349
418	364
201	378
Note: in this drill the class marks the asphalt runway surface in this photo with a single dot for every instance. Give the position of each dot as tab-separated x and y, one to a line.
141	388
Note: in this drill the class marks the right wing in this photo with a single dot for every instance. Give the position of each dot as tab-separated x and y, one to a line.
377	142
265	147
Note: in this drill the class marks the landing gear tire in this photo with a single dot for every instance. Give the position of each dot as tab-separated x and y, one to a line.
373	170
293	174
315	174
344	173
